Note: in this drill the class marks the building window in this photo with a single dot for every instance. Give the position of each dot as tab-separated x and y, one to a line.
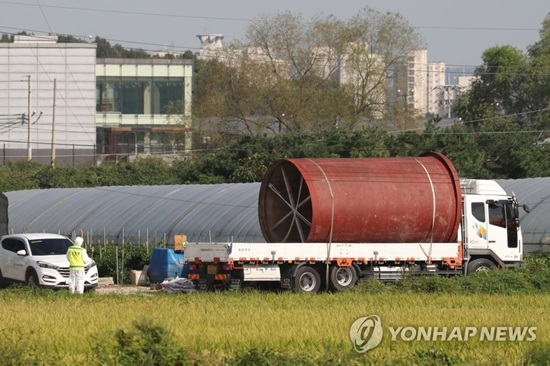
130	95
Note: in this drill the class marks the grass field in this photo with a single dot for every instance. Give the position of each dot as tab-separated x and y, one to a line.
247	328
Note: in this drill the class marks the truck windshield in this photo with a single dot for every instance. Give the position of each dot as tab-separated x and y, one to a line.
49	246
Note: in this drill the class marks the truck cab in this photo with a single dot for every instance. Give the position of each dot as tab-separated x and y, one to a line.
490	225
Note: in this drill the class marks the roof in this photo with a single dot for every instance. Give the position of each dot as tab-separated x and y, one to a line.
140	214
36	236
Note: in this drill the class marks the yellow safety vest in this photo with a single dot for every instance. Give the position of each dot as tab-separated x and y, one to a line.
76	260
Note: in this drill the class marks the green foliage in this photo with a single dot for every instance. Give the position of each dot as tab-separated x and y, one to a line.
18	175
145	344
124	258
105	50
256	356
371	286
497	282
537	354
475	151
433	356
261	356
534	277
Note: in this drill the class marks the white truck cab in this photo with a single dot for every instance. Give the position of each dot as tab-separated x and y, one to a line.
490	224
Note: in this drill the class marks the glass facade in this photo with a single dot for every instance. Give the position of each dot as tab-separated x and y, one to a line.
143	106
135	95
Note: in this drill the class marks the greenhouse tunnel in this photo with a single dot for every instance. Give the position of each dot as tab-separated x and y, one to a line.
204	213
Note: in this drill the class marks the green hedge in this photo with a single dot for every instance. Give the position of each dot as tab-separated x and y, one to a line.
111	258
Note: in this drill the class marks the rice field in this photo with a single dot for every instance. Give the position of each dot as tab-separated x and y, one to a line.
53	327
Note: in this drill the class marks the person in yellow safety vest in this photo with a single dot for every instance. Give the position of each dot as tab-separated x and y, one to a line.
78	258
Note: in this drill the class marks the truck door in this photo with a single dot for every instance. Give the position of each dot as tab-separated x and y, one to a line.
475	222
502	233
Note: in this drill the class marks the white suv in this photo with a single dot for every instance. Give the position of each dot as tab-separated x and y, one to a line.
39	260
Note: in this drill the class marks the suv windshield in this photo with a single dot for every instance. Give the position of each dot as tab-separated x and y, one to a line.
49	246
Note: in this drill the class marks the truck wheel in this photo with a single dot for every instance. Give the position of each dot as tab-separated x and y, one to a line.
32	280
342	278
2	282
480	265
307	279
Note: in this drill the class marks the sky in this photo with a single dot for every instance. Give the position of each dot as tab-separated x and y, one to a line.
455	32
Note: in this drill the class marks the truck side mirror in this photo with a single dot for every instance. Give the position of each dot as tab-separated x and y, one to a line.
526	208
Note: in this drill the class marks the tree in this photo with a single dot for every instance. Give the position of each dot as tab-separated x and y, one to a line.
105	50
290	75
510	83
539	88
188	55
375	61
499	86
62	38
6	38
508	106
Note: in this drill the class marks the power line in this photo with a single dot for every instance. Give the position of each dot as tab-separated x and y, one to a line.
164	15
187	16
446	27
28	30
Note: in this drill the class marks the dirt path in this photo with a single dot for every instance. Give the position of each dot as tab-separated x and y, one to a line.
125	290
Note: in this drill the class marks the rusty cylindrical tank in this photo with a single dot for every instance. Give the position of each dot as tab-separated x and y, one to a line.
371	200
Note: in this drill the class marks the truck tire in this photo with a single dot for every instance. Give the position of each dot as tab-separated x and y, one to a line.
480	265
2	282
307	279
342	278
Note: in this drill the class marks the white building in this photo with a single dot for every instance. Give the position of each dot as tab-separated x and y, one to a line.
464	82
417	82
103	108
31	68
133	101
211	45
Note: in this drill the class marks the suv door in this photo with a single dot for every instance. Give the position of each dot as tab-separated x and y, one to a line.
13	265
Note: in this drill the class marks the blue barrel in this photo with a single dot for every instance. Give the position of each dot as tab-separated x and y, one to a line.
165	263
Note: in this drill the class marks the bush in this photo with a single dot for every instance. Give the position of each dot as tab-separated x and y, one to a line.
537	354
111	258
145	344
432	356
371	286
534	277
497	282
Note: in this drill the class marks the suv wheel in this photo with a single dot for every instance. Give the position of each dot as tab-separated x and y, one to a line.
32	280
2	282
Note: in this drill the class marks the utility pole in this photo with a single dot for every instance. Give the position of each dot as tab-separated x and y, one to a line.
29	148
